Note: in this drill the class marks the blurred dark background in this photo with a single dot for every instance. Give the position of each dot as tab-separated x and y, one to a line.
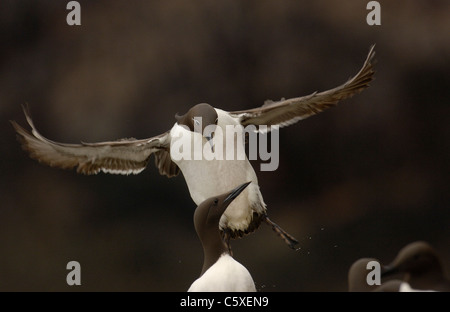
360	180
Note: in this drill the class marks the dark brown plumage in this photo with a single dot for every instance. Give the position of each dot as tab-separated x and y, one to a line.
287	112
420	266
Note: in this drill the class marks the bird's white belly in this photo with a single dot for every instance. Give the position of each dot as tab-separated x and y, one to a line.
206	179
405	287
226	275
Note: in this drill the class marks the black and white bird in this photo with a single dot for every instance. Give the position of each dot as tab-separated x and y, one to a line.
421	268
131	156
220	271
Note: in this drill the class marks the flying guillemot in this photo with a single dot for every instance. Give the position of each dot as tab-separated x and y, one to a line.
220	271
126	156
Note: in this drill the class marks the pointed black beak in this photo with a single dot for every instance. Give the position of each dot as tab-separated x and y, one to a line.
235	193
388	270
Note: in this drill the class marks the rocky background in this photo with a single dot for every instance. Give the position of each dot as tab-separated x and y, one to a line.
360	180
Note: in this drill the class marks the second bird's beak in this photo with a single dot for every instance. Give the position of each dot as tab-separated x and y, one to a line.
388	270
235	193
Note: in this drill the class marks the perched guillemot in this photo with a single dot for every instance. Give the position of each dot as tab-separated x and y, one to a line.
220	271
128	156
421	266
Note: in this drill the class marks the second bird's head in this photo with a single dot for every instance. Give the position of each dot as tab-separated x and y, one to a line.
415	259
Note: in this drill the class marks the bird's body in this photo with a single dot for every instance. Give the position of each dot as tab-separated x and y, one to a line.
220	271
224	276
131	156
406	287
233	170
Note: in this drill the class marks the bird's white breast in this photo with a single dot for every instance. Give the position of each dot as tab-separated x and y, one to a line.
405	287
225	275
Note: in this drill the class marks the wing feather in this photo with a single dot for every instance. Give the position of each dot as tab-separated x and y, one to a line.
287	112
124	156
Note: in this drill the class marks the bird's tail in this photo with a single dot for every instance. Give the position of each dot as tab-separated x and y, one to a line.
288	238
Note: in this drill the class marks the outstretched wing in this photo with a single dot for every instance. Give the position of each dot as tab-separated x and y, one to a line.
123	156
287	112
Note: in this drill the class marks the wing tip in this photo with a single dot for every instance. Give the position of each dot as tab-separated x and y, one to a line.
366	74
23	136
371	60
16	126
371	54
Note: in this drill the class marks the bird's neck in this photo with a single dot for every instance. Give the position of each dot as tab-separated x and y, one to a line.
213	248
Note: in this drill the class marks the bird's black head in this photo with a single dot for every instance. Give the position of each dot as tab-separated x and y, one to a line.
415	259
198	118
208	213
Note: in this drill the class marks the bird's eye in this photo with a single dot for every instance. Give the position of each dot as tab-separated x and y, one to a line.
216	201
